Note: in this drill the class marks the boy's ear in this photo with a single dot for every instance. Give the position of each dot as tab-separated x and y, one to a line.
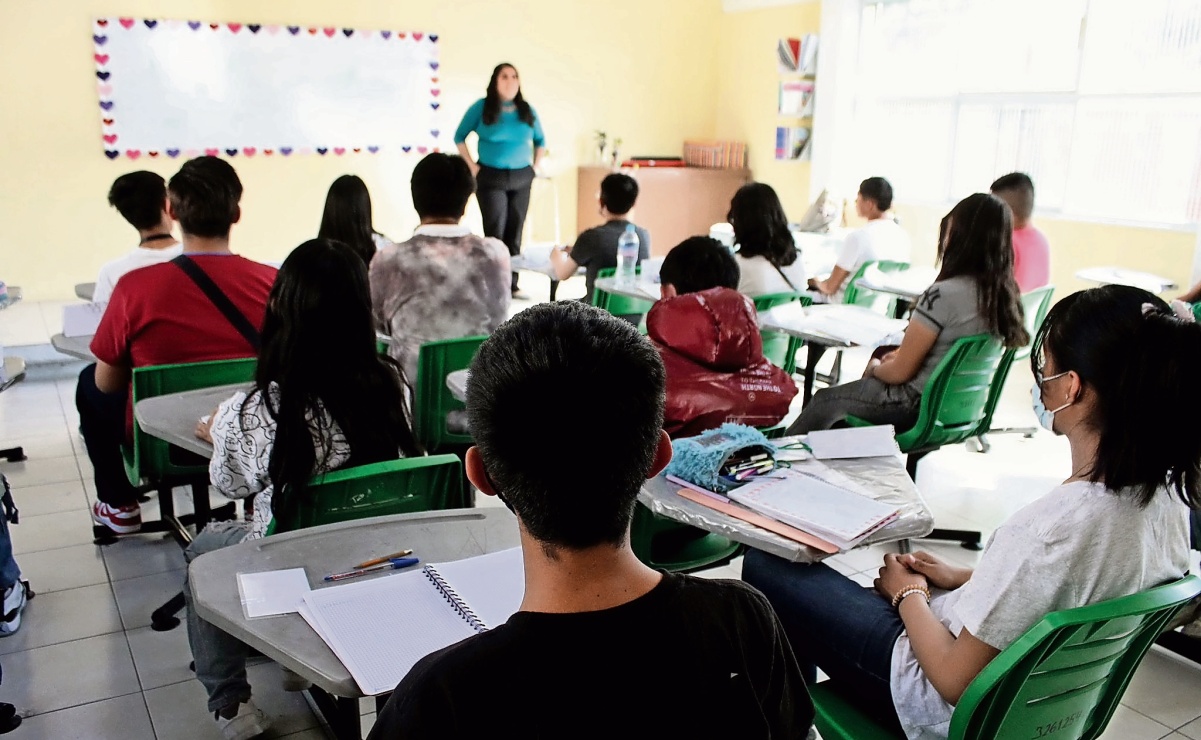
667	290
476	473
237	214
170	210
663	455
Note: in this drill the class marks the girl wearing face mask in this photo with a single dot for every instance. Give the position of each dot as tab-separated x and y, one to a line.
975	293
1113	367
510	146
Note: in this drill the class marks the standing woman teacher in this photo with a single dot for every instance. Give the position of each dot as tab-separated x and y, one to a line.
510	146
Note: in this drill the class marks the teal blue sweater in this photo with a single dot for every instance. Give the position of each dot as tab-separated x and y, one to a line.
507	144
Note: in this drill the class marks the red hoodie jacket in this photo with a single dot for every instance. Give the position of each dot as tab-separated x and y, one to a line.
716	371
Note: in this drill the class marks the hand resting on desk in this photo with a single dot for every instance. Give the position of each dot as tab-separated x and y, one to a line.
204	427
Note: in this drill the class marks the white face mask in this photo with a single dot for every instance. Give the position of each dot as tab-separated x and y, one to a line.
1046	417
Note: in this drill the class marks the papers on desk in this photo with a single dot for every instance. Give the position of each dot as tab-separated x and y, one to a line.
839	444
812	503
844	324
82	319
273	592
380	628
909	283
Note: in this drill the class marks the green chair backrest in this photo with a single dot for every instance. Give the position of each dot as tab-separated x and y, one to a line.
619	305
1035	305
1197	311
661	542
957	401
150	458
432	400
379	489
878	302
1065	676
779	348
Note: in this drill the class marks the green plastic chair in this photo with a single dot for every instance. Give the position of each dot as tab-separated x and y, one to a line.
878	302
957	403
1062	679
379	489
1197	311
432	400
779	348
619	305
664	543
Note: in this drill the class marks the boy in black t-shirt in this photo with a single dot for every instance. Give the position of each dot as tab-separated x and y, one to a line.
596	248
603	646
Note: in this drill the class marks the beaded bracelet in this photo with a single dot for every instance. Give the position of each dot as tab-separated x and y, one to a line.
915	589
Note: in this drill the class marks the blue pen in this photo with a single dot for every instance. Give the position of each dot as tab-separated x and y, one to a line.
392	564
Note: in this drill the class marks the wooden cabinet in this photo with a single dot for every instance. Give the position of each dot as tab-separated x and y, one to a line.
674	203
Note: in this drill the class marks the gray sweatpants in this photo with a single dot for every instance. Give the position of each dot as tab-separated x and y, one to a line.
869	399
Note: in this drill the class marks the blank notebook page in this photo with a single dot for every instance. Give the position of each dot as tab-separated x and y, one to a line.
491	585
380	628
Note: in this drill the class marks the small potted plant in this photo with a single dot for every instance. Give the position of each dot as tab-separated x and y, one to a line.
616	152
602	141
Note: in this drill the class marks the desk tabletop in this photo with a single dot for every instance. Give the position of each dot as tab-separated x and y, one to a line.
434	536
834	325
536	258
173	417
1109	275
907	284
640	290
884	477
78	347
85	291
457	383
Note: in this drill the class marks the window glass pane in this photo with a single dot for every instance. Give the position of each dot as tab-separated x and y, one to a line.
1141	47
995	139
909	143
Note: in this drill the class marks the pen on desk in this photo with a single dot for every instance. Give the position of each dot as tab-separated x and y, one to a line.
390	565
384	559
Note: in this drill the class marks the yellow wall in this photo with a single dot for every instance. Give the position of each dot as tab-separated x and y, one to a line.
748	88
638	69
1075	245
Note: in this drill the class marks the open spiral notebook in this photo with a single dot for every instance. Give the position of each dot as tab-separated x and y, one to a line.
380	628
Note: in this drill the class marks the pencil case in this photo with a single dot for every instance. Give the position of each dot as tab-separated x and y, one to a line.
700	459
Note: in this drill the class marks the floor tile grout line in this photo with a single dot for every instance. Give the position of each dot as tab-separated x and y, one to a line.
76	706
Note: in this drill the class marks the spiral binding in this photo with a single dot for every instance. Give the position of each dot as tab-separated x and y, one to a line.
456	602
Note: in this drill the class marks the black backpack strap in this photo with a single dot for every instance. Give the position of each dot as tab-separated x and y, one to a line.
6	499
790	285
219	299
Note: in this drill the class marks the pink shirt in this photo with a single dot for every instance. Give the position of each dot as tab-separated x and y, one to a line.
1031	259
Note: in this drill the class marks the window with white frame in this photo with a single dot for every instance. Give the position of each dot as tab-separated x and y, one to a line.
1098	100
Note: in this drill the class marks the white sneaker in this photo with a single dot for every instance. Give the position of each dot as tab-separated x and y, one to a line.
14	603
249	722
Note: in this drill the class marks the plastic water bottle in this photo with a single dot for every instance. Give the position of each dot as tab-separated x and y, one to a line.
627	257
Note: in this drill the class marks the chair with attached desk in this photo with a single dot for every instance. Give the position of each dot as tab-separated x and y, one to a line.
631	309
854	295
957	403
432	400
780	349
661	542
163	467
1065	674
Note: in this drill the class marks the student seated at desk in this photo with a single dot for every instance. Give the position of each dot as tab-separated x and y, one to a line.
347	218
445	282
708	335
880	239
161	315
1112	367
1031	250
596	249
767	255
141	198
603	646
305	415
974	294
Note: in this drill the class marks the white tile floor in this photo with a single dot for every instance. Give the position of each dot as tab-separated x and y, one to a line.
85	664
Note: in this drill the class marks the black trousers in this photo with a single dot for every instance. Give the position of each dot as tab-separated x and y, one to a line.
102	423
504	198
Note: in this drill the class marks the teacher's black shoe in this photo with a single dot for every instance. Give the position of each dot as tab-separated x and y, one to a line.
9	719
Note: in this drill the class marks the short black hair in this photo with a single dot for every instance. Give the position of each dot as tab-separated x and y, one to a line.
618	193
700	263
140	198
878	190
570	490
1019	184
442	184
204	197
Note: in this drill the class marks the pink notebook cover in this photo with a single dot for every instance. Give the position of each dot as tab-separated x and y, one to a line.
746	515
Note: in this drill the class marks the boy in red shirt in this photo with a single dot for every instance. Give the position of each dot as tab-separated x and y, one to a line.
159	315
1031	250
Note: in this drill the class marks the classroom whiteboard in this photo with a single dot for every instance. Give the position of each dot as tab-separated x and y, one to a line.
186	88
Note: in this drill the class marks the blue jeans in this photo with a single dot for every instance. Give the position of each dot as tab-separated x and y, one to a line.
833	623
220	657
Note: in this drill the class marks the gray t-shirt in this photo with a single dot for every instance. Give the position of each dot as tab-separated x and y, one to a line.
951	308
1080	544
596	248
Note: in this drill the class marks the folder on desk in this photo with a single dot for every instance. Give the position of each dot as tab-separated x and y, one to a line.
382	627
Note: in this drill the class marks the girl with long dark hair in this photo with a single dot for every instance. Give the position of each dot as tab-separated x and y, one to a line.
510	146
347	218
1113	367
767	254
975	293
323	399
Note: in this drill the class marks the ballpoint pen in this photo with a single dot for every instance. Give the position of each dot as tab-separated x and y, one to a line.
384	559
390	565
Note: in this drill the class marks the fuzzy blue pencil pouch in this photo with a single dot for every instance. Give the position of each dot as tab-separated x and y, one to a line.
699	460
